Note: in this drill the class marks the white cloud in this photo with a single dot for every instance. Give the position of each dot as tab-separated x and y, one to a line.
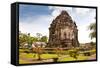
84	12
57	10
79	11
39	25
83	34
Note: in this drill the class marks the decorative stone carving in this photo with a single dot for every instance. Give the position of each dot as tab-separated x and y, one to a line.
63	32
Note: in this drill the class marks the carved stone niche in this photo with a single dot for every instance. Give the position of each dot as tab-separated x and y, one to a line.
63	32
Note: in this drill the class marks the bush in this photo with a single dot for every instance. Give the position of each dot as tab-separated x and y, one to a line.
26	52
87	54
73	53
55	59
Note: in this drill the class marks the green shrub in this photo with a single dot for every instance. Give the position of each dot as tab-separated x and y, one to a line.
73	53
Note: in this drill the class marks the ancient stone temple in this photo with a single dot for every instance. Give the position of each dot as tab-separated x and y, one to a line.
63	32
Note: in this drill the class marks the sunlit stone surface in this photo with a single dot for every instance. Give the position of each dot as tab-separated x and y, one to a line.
63	32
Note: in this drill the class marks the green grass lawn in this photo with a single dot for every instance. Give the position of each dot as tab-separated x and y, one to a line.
23	57
35	56
29	57
48	56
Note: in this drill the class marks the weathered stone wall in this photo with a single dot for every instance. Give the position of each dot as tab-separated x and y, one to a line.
63	32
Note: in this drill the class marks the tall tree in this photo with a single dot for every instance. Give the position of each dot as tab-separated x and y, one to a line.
92	28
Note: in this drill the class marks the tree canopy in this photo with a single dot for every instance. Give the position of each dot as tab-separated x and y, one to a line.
92	28
28	39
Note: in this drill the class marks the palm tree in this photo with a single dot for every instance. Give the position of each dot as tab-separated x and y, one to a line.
92	28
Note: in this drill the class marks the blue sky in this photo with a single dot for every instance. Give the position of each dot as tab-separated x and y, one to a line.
37	19
32	11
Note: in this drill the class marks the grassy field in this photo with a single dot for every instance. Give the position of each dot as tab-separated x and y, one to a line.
25	58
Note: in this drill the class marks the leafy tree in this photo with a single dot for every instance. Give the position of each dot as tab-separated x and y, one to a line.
38	36
44	39
34	39
22	39
93	44
26	38
92	27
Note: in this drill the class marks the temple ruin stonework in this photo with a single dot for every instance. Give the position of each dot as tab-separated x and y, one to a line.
63	32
